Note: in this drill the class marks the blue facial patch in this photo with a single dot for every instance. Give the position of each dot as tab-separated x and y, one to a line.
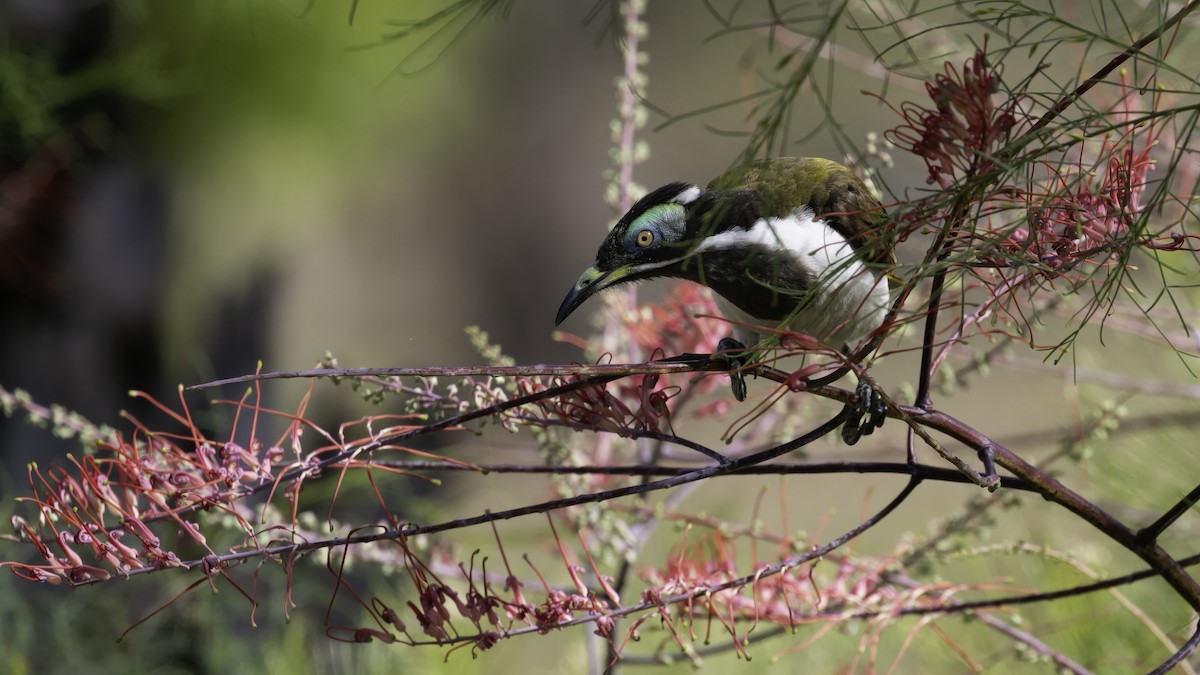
663	222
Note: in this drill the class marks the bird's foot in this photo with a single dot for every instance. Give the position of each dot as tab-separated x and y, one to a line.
869	405
734	354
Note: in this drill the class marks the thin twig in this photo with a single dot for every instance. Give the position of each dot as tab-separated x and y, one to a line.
1182	653
1016	634
681	364
925	471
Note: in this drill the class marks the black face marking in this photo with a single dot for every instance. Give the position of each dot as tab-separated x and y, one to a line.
674	229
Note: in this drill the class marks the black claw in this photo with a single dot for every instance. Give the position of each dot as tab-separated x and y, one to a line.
730	348
851	432
879	410
737	383
866	404
734	354
867	428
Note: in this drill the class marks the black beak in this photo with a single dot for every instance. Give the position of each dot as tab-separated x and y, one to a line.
590	282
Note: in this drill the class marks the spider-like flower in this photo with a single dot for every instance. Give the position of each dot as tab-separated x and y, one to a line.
967	125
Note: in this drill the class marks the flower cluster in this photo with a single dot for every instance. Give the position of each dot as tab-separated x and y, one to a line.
1089	211
1015	221
680	324
856	589
493	605
119	494
966	126
641	406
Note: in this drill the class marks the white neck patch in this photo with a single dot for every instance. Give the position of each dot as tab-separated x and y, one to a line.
688	196
815	247
849	300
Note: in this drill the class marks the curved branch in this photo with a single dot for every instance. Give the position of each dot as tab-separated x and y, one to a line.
924	471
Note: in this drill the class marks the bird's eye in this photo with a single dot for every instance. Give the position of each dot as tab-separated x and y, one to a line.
644	238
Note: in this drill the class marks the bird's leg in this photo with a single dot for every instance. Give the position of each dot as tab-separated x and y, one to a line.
867	404
735	355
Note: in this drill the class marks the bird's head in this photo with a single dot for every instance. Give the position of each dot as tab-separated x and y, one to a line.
650	240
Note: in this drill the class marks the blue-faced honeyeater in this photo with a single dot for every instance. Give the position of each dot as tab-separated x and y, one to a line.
797	243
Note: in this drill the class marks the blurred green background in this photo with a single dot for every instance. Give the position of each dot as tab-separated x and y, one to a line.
190	187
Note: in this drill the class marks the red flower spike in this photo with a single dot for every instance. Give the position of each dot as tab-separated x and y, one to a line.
966	125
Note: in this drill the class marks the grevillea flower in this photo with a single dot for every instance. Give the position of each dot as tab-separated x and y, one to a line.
970	121
1088	210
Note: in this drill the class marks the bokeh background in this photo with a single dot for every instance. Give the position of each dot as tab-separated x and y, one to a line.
189	188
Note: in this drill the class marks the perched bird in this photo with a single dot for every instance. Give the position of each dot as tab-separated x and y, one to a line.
790	242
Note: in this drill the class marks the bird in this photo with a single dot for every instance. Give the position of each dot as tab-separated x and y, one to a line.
793	243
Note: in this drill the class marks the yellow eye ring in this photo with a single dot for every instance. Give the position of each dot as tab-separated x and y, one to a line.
644	238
